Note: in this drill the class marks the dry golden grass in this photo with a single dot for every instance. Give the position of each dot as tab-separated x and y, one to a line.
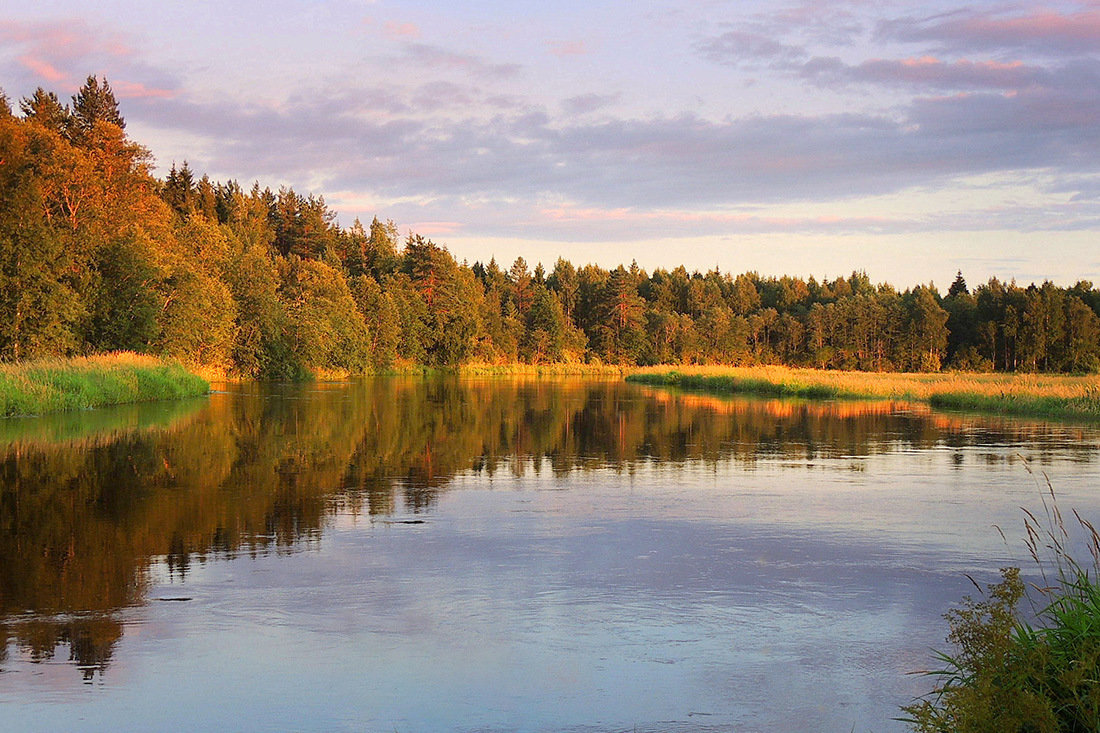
903	385
1034	394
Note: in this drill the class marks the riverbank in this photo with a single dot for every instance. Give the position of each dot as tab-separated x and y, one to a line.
58	385
471	369
1008	394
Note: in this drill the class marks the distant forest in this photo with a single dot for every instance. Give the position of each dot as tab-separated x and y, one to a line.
97	254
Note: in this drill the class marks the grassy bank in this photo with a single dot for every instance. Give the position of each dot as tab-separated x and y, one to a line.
57	385
1010	394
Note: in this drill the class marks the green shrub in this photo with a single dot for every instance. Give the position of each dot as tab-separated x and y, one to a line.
1010	675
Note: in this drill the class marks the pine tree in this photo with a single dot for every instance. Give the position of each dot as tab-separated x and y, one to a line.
46	109
92	105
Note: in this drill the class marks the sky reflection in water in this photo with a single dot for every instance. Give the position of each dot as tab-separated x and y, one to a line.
586	556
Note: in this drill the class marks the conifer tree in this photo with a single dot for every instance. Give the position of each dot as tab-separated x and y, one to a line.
46	109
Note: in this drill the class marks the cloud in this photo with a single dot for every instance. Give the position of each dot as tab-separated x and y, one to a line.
439	141
928	73
137	90
438	58
586	103
43	69
60	54
1044	32
735	48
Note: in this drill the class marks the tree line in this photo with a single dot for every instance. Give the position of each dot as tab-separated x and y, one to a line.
97	254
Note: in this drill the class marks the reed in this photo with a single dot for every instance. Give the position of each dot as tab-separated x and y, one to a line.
594	369
58	385
1016	394
1016	672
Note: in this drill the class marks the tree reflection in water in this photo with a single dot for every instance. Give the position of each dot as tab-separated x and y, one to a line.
89	502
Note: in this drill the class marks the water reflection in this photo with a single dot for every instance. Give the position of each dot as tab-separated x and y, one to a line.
88	502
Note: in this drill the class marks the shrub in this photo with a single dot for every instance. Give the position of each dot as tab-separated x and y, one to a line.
1012	675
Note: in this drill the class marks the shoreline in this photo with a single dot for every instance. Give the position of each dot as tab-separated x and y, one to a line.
1004	394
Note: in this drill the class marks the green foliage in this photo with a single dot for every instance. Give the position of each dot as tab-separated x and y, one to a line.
126	305
326	327
382	321
39	309
198	319
1009	675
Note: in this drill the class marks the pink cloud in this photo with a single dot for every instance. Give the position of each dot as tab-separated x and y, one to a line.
137	90
929	70
1078	26
42	68
1050	31
561	49
436	228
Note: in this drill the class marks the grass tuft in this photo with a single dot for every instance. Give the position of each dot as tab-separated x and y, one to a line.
60	385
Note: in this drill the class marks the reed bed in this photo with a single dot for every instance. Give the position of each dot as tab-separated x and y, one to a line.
58	385
546	369
1014	394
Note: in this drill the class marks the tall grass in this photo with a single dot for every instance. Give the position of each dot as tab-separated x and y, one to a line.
57	385
1020	673
1014	394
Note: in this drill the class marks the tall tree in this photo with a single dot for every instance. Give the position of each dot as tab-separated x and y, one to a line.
94	104
46	109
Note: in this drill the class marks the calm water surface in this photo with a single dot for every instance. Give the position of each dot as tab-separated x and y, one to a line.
464	555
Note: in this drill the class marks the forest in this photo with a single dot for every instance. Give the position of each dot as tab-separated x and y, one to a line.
97	254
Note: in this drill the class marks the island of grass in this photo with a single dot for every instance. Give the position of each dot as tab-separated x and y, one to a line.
1008	394
57	385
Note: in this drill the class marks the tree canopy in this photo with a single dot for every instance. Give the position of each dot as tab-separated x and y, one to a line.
96	254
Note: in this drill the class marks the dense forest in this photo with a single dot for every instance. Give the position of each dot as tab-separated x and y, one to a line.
97	254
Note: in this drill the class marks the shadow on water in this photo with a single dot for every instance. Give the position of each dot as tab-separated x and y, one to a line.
89	501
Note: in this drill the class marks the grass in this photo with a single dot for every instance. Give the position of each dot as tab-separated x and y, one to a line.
59	385
1014	673
474	369
547	369
1009	394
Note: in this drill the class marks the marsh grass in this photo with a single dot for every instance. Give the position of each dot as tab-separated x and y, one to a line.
1015	671
59	385
595	369
1012	394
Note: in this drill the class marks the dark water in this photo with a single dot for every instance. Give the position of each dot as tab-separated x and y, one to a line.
408	555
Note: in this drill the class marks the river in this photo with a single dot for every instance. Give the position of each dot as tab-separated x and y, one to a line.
462	554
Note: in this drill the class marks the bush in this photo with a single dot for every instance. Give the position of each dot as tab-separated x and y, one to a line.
1010	675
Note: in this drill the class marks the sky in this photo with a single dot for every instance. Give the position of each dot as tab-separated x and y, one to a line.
906	139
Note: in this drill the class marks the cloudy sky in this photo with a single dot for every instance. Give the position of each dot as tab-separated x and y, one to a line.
908	139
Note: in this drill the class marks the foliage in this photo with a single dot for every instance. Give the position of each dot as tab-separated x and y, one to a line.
98	254
1009	674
